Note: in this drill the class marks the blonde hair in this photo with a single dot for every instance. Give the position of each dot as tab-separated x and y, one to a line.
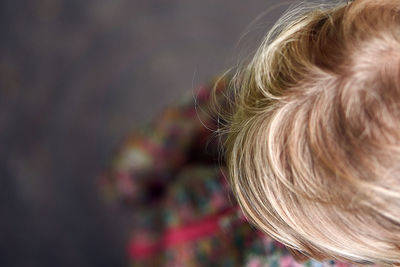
313	145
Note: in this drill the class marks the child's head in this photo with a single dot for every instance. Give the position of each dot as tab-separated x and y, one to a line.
314	143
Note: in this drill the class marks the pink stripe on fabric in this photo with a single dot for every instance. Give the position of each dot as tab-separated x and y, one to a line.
139	249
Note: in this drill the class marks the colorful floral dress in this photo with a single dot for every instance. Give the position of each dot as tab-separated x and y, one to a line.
169	180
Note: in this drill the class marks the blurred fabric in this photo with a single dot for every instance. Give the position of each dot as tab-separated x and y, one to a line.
75	77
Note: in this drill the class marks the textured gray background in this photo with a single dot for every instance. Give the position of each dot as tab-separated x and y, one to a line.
75	77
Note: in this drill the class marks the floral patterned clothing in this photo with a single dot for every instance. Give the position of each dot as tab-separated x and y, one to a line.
181	213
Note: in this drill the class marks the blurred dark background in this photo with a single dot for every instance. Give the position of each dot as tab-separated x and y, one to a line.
76	76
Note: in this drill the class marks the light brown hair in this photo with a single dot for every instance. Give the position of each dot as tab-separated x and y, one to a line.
313	145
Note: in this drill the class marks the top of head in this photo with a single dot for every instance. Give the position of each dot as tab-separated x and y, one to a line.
313	146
